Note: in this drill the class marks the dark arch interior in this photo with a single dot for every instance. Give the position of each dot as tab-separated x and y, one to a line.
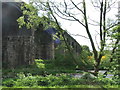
10	13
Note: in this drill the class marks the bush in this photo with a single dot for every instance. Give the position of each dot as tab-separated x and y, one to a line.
49	80
8	82
59	80
23	80
64	61
40	63
106	81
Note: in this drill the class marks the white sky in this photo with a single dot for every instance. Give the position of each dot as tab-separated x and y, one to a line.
76	28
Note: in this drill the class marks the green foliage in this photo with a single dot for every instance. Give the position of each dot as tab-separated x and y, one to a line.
114	66
12	73
86	50
85	58
40	63
31	20
115	32
58	80
63	57
49	80
106	81
105	63
21	21
23	80
8	82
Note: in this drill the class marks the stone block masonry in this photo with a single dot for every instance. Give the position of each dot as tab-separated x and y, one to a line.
17	51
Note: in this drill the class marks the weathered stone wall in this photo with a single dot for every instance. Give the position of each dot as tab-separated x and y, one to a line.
44	51
49	50
44	45
22	50
17	51
73	43
17	44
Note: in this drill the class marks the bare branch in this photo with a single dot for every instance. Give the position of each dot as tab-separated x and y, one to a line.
77	7
65	6
94	21
110	5
63	17
112	26
60	11
77	20
96	6
79	35
93	24
97	42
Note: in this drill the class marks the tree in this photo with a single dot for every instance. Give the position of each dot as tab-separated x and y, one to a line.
65	11
114	34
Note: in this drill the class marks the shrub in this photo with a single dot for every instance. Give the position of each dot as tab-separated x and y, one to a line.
59	80
49	80
64	60
40	63
8	82
106	81
28	80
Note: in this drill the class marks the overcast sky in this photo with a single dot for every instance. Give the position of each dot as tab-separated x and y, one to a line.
76	28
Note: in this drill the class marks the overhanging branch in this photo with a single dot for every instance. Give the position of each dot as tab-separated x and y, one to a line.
77	7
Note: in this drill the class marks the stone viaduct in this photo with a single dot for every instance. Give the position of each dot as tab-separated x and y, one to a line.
21	46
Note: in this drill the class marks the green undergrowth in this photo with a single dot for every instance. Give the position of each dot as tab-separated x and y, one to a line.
60	80
48	80
40	67
44	74
51	68
71	87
